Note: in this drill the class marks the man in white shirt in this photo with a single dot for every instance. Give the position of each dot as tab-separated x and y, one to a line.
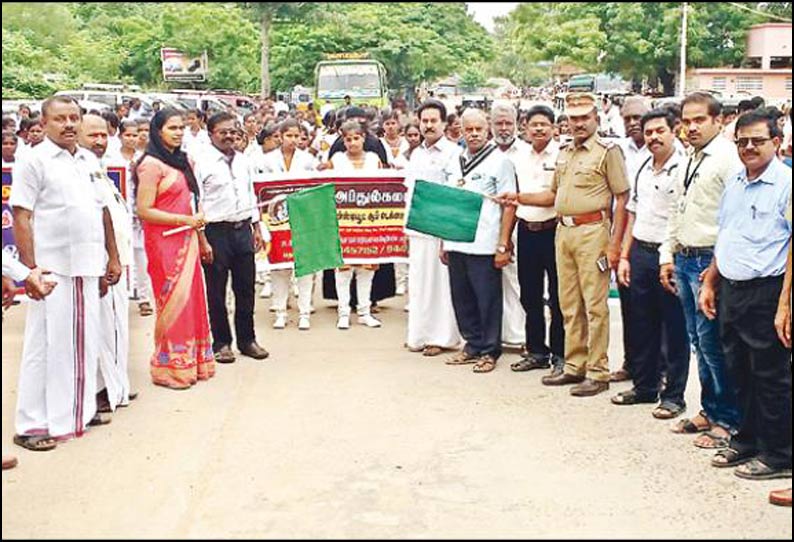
611	125
537	262
224	177
504	128
657	314
113	380
636	153
16	271
475	269
60	224
431	318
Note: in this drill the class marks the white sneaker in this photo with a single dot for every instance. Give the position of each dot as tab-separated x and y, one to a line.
368	320
281	321
267	291
304	323
343	322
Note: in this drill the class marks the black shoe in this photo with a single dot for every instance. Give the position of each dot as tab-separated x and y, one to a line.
561	379
224	355
589	387
253	350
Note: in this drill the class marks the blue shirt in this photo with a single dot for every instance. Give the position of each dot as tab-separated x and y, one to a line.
754	232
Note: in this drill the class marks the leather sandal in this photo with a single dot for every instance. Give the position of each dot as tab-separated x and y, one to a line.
36	443
485	364
728	457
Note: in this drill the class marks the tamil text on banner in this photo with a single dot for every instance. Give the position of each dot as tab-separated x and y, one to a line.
370	209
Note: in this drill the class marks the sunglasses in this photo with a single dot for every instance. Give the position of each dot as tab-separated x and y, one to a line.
742	142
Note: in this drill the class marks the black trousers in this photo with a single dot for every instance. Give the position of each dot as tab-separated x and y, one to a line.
536	262
760	366
476	288
628	322
659	335
233	251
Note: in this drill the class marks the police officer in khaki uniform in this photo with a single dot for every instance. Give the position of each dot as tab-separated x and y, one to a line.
589	173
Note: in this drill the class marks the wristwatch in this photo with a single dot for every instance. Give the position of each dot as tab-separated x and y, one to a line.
501	249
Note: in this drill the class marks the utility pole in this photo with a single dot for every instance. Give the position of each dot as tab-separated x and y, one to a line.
682	73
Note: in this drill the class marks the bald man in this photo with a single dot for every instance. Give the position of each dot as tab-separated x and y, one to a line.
113	382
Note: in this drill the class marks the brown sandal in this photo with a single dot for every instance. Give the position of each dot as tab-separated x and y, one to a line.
486	364
432	351
462	358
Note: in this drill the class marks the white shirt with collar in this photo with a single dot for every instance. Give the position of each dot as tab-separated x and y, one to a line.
494	175
227	189
652	197
635	156
61	191
195	145
693	217
427	163
535	171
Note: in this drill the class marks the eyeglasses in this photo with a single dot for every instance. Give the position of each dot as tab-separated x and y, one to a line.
742	142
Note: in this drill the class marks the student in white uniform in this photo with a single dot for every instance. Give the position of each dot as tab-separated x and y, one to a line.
113	380
268	140
289	158
60	225
355	159
431	318
395	144
196	137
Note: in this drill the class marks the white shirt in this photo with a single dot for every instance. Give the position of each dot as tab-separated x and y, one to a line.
495	175
693	218
342	163
535	171
14	269
114	145
325	109
428	164
635	156
396	154
652	197
227	190
611	123
194	145
322	144
61	191
274	162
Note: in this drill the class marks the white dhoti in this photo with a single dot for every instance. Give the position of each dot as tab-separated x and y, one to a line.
513	315
431	318
115	344
57	377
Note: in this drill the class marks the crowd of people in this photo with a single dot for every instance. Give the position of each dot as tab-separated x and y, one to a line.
690	210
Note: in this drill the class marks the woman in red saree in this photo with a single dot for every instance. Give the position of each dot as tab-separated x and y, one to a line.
167	197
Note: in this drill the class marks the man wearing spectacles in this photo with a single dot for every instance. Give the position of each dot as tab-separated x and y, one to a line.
748	274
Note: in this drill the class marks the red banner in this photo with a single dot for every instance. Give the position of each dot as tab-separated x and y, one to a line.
370	208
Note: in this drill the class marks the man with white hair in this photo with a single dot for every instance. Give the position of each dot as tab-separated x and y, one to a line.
475	269
504	123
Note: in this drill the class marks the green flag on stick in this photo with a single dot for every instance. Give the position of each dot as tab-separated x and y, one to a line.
315	230
446	212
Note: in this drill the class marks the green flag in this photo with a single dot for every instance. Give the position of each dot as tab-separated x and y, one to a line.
315	230
446	212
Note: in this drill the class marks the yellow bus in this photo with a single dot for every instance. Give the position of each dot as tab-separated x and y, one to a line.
362	79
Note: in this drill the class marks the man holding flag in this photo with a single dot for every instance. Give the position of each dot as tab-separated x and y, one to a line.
475	268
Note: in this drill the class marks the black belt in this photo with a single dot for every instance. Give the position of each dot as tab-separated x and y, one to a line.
645	245
695	252
550	224
233	225
752	283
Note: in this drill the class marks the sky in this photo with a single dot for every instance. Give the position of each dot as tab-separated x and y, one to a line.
484	12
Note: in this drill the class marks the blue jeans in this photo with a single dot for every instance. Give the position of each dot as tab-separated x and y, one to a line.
718	392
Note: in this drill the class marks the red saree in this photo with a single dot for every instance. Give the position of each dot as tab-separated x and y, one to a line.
183	346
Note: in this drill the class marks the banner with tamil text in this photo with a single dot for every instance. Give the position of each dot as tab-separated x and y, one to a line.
370	208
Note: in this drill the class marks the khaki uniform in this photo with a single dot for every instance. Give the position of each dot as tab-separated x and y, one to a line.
585	180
